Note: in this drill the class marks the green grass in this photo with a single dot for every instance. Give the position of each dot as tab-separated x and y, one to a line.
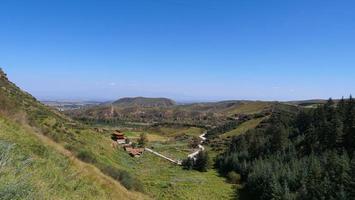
164	180
175	149
243	128
134	135
32	170
166	141
160	179
38	168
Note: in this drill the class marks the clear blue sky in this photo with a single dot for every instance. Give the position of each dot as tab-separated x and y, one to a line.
182	49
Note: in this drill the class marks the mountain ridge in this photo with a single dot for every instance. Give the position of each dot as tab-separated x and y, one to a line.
144	102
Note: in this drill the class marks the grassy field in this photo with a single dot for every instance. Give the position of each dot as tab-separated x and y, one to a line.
171	142
243	128
164	180
152	137
160	178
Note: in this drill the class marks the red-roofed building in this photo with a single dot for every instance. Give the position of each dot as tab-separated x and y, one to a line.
119	137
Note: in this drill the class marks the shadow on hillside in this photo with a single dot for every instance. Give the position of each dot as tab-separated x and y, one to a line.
242	194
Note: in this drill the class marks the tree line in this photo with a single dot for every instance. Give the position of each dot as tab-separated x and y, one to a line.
304	155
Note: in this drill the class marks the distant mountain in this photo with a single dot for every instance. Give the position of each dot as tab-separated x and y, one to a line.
144	102
311	102
163	110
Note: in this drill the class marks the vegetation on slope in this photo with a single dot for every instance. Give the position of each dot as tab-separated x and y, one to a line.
164	180
244	127
201	114
144	102
156	177
300	155
86	144
31	168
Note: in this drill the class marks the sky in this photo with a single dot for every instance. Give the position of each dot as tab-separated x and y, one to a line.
187	50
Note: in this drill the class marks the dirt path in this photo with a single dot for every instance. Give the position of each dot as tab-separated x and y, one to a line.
119	192
193	155
162	156
200	147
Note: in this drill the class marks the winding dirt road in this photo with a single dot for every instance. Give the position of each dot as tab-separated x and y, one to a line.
200	147
193	155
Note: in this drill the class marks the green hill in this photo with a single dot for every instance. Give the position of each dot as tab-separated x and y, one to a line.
33	161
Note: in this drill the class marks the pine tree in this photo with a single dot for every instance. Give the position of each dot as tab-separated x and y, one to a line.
329	109
351	183
321	126
303	121
279	138
276	189
349	126
188	163
311	140
314	179
341	108
202	161
342	195
335	132
337	169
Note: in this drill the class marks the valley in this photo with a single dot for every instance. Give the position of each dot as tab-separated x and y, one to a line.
211	151
177	100
85	149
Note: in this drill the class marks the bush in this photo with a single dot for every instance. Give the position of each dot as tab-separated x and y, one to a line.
188	163
143	140
233	177
202	161
125	178
86	156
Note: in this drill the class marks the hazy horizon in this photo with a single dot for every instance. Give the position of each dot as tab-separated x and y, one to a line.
184	50
180	101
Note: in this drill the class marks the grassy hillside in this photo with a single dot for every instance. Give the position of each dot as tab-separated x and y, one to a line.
32	168
244	127
23	119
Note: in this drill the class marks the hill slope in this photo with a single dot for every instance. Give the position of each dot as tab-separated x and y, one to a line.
34	162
